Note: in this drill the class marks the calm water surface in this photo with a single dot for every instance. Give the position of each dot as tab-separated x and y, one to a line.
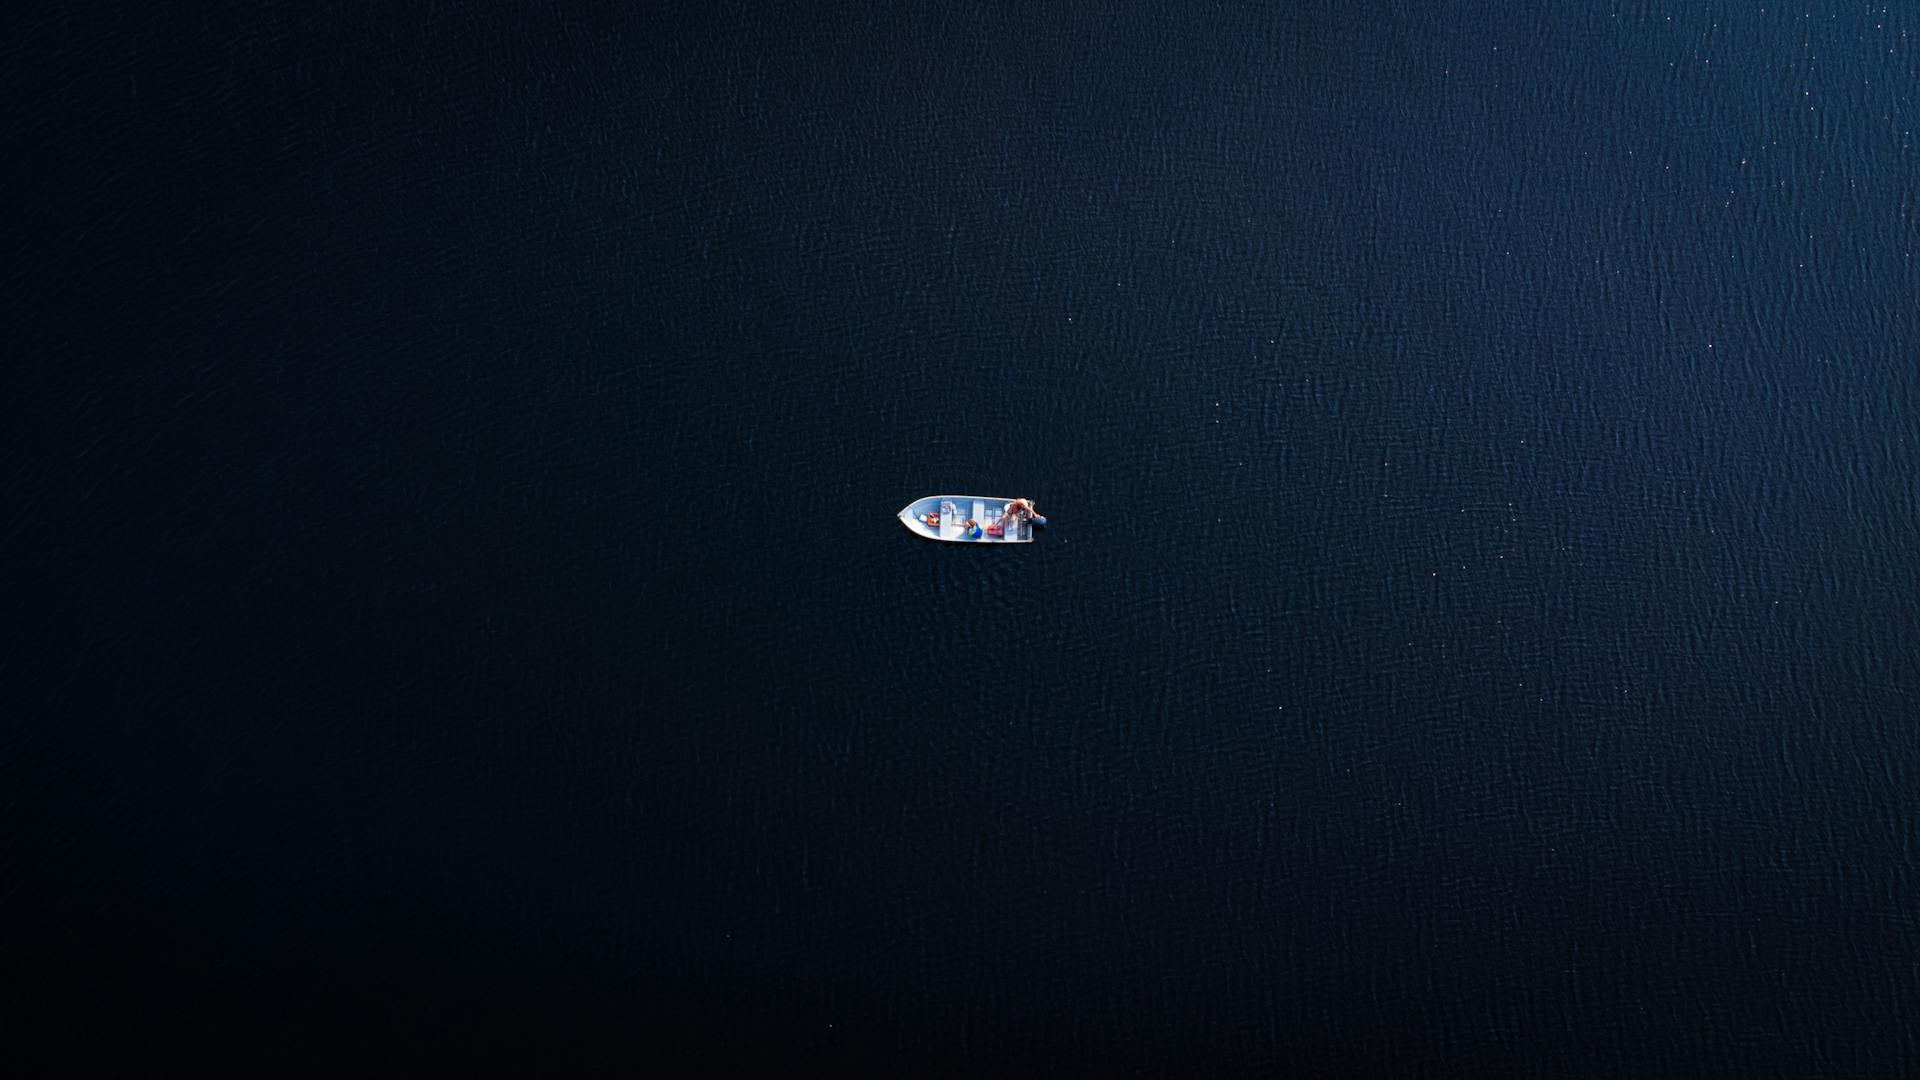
1476	633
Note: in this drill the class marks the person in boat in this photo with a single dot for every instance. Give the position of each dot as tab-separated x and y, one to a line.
973	529
1016	509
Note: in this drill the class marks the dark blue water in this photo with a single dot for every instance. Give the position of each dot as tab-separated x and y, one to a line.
459	615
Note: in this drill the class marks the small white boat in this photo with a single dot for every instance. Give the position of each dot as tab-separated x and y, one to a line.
944	517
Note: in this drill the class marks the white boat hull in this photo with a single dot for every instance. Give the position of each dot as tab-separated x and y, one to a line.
952	528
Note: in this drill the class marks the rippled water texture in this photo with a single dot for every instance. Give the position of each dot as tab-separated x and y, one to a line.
1476	632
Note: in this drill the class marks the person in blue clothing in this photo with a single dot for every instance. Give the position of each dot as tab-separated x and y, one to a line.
973	529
